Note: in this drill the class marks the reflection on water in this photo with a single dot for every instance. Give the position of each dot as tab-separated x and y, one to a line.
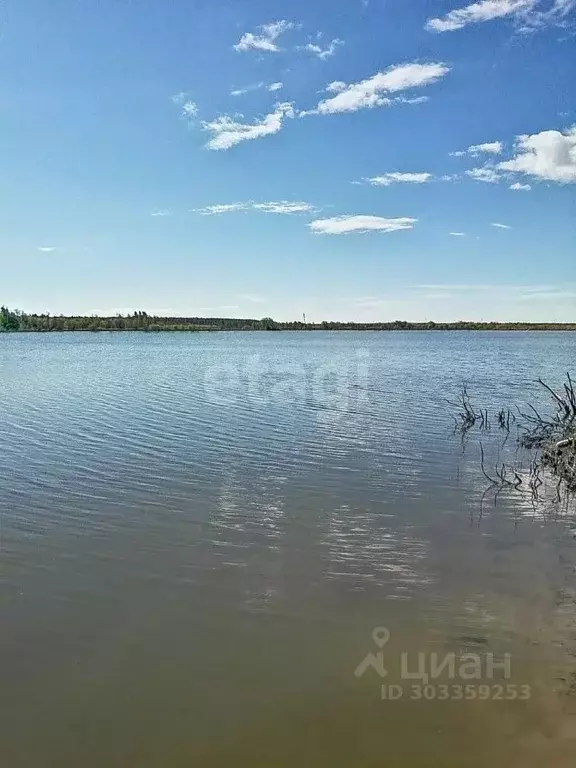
200	533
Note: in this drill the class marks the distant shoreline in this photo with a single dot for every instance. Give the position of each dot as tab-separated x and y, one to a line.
16	321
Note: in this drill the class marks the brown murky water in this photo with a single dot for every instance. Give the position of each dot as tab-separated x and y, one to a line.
200	534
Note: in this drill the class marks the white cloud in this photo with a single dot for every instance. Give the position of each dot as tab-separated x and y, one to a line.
189	109
484	10
336	87
520	187
211	210
563	7
457	234
486	174
324	53
491	147
227	132
161	212
344	225
284	206
555	15
266	38
399	178
549	155
372	92
500	226
272	87
278	206
47	248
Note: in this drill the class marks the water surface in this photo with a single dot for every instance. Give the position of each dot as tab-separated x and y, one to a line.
200	532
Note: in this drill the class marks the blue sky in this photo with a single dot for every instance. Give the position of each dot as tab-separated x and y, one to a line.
348	159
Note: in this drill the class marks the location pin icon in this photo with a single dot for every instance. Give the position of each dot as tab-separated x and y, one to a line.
381	635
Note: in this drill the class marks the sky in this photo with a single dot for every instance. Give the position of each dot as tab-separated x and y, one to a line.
349	159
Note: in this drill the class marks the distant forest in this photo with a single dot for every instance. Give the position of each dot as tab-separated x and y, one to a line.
15	320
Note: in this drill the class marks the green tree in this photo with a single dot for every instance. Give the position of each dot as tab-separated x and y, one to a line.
9	321
268	324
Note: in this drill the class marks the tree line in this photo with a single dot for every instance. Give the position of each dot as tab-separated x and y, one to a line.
16	320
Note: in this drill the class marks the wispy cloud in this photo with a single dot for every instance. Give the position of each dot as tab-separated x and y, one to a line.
161	212
500	226
47	248
454	287
517	187
212	210
457	234
227	132
266	37
286	207
507	291
490	147
549	155
246	89
221	308
557	295
376	90
327	51
484	10
189	108
253	298
387	179
272	87
554	15
345	225
486	174
529	14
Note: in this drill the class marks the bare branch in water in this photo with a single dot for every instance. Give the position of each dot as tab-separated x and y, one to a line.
551	439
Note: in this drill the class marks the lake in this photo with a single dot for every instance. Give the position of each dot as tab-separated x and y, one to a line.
271	549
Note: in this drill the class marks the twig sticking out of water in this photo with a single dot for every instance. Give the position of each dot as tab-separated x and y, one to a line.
467	416
552	439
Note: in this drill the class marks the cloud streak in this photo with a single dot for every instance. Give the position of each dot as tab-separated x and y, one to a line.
227	132
387	179
359	224
376	90
286	207
272	87
485	10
